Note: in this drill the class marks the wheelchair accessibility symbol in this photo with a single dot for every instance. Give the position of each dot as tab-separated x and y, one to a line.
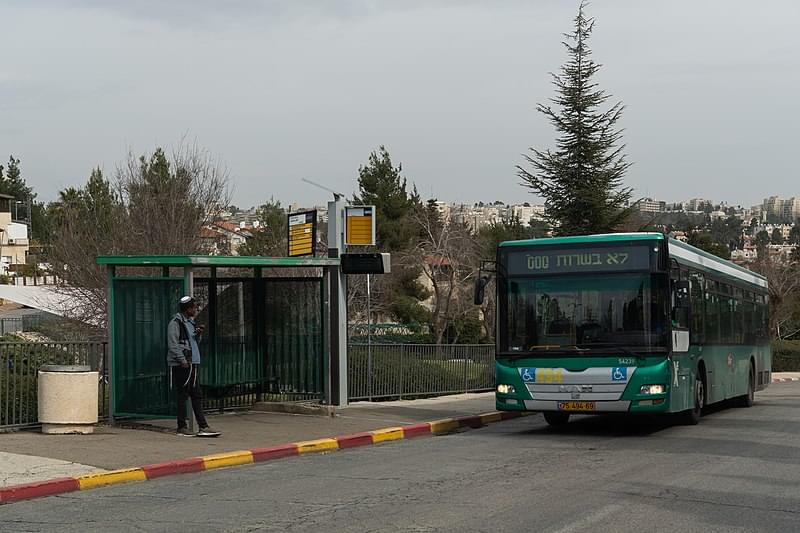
528	374
619	373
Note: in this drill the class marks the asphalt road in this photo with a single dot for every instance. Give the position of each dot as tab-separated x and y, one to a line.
739	470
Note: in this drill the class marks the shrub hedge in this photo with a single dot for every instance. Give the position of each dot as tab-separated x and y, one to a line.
786	356
415	376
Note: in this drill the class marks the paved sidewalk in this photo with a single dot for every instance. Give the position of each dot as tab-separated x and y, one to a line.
113	448
17	468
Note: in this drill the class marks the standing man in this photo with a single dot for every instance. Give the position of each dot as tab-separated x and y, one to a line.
183	357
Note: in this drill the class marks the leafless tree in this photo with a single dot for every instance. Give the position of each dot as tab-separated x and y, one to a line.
449	254
168	200
784	293
156	205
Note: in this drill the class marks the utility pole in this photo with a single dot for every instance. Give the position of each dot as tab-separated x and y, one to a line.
338	288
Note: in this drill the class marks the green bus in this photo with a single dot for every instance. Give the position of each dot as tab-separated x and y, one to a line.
626	322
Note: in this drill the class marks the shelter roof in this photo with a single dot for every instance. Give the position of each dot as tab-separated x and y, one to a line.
214	260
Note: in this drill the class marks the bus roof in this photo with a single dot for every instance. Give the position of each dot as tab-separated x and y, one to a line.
689	255
587	239
683	253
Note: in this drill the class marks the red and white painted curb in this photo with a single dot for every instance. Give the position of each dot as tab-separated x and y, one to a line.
255	455
785	380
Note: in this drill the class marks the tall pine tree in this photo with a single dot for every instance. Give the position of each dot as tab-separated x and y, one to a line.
381	184
12	183
581	180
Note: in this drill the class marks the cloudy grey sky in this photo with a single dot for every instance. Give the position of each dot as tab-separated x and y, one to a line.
288	89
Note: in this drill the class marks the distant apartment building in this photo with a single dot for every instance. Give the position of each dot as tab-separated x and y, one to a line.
745	214
696	204
782	208
651	205
785	229
14	243
480	215
526	213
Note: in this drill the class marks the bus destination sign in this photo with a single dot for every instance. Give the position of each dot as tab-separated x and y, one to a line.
571	260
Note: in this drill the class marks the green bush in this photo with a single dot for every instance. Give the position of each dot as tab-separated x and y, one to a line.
18	399
786	356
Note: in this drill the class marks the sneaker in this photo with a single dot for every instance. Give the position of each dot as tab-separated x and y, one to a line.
184	432
208	432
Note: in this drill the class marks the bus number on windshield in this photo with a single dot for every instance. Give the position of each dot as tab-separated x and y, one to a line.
538	262
626	361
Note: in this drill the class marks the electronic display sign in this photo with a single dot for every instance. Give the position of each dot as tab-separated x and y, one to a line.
541	260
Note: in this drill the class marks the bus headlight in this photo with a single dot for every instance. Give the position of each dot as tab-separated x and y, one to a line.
505	389
652	389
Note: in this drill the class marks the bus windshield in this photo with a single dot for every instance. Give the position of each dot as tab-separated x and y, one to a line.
584	312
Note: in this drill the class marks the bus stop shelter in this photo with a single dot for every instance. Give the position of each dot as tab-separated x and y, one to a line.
268	329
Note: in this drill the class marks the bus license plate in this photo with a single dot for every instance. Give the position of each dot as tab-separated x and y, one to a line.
576	406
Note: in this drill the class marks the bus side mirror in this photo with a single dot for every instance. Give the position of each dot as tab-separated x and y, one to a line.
480	288
682	293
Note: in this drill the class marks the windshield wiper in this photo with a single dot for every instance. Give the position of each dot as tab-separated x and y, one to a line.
619	347
548	349
556	347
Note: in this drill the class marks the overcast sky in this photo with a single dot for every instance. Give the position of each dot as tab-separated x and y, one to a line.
282	90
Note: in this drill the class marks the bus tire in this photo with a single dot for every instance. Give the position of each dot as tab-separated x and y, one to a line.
749	399
691	417
556	418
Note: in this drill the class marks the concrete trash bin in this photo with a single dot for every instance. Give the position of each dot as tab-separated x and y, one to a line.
67	399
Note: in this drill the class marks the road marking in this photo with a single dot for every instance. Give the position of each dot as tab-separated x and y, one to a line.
91	481
584	523
383	435
319	445
221	460
441	426
488	418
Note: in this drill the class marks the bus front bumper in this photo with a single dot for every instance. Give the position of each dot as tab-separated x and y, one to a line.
648	405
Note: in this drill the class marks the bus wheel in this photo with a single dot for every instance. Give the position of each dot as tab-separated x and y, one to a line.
556	418
691	417
748	399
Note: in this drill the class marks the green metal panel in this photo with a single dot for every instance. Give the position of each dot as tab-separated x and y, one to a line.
293	338
141	310
231	364
263	336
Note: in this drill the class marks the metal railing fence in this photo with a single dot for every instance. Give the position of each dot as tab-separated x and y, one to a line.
19	324
406	371
19	365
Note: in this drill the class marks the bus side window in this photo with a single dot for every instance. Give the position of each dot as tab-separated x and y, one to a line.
712	312
725	314
697	329
738	316
679	308
751	319
762	328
